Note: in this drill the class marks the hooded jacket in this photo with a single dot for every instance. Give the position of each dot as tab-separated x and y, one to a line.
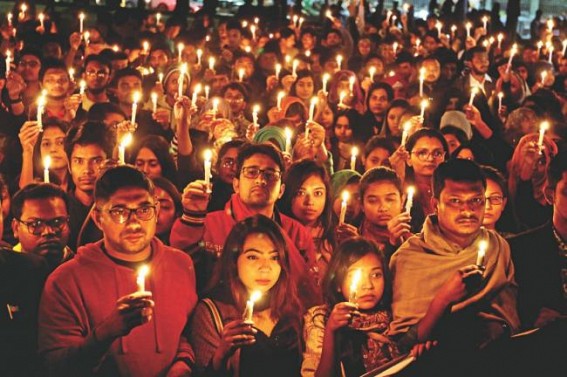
83	292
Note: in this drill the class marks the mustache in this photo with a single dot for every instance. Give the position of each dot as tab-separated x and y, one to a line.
468	218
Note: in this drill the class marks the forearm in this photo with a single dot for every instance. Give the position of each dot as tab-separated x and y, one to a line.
26	176
329	364
17	108
184	144
483	129
435	312
70	57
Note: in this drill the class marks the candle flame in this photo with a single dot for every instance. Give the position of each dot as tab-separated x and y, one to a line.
354	151
314	101
208	154
126	140
411	191
345	196
143	271
154	96
355	280
500	95
255	296
47	162
288	133
256	108
544	126
136	97
425	103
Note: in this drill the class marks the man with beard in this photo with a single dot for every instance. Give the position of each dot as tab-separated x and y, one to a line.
442	289
96	317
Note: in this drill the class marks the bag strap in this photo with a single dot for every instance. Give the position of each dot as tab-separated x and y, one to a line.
215	314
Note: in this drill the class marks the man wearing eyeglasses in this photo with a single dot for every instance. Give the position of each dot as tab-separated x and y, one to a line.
98	316
97	78
257	186
443	290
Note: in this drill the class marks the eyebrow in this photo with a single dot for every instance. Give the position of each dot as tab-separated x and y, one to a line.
251	250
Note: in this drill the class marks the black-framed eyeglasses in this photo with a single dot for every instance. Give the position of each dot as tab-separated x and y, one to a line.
424	154
495	200
474	203
121	215
228	162
100	74
38	226
253	172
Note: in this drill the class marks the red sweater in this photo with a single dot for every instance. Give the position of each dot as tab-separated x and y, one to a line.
81	293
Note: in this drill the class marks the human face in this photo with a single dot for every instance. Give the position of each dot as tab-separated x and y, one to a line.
244	63
452	141
371	284
377	157
147	161
393	119
234	37
172	84
353	205
430	44
56	83
85	166
49	242
327	118
378	102
267	61
460	210
304	88
112	119
29	67
158	59
480	63
432	70
258	265
343	132
309	201
96	76
430	146
559	200
52	144
495	204
227	168
126	87
166	215
364	46
387	53
381	202
134	236
308	41
333	39
449	71
235	100
259	193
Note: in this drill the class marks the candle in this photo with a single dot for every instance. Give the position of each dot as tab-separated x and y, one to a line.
482	246
244	24
241	74
9	16
87	37
543	77
41	17
409	201
326	78
207	91
256	20
287	60
301	19
158	18
353	155
124	143
550	26
474	92
395	47
278	70
424	104
453	31
253	30
342	96
160	77
356	276
312	104
46	165
500	96
281	95
345	196
295	64
196	92
135	100
40	109
543	127
421	80
180	48
295	18
199	56
329	15
340	61
564	47
468	26
208	154
371	73
288	135
212	63
81	22
215	106
146	47
255	111
405	132
115	48
351	81
485	22
512	53
8	61
154	97
182	72
82	87
143	271
249	309
539	45
417	43
439	26
550	54
500	37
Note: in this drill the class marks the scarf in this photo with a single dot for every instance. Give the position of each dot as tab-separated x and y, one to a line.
375	233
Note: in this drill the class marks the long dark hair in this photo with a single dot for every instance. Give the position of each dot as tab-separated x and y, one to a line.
160	147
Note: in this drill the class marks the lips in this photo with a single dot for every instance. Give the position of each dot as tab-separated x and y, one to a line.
467	221
263	281
132	237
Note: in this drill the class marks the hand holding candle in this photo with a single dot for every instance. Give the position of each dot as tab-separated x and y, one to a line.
356	276
281	95
249	309
474	92
344	203
371	73
40	108
405	133
468	26
512	53
195	96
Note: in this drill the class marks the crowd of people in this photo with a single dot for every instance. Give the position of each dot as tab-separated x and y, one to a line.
237	197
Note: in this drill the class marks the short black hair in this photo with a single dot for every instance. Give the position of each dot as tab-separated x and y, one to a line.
90	133
378	142
234	143
236	86
379	174
52	64
457	132
426	132
36	191
266	149
99	111
120	177
101	59
458	170
496	175
125	72
556	168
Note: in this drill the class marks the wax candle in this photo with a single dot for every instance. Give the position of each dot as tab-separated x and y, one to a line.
46	165
180	79
278	69
143	271
421	80
253	31
512	53
199	56
342	96
371	73
468	26
405	133
124	143
81	22
295	18
340	61
41	18
82	87
40	108
353	155
395	47
543	127
249	309
329	15
326	78
453	31
424	104
207	91
482	246
345	197
417	43
500	96
9	16
87	37
208	154
255	111
195	96
485	22
500	37
474	92
539	45
564	47
8	61
135	100
439	26
294	66
550	26
215	106
160	77
351	81
312	104
543	77
180	48
356	276
409	201
288	135
244	24
241	74
212	63
154	97
301	19
550	60
281	95
158	18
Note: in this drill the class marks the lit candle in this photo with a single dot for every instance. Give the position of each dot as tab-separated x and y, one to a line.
249	309
208	154
356	276
353	155
295	18
543	127
329	15
158	18
485	22
9	16
196	92
543	77
46	165
115	48
278	70
81	22
241	74
160	77
8	61
351	81
180	48
312	104
421	80
500	37
253	30
41	17
564	47
512	53
294	66
539	45
124	143
474	92
301	19
550	26
135	100
453	31
207	91
255	111
244	24
281	95
405	132
212	63
395	47
154	97
82	87
256	20
326	78
417	43
468	26
340	61
87	37
199	56
40	108
146	47
215	106
182	72
342	96
550	60
345	196
371	73
143	271
500	96
439	26
424	104
482	246
409	201
288	135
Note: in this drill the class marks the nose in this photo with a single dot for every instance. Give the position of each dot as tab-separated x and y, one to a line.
308	199
266	265
366	282
261	180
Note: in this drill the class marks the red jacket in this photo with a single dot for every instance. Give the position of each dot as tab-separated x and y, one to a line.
81	293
